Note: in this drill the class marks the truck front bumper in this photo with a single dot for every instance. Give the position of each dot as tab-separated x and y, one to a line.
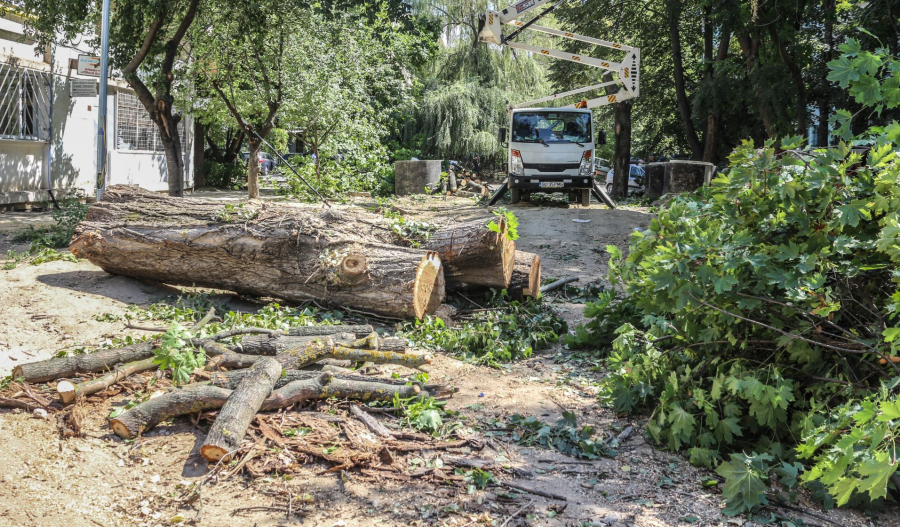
550	183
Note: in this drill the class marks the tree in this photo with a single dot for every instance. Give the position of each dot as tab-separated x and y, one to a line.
144	45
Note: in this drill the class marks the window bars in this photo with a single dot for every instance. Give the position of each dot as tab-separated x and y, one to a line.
24	104
134	129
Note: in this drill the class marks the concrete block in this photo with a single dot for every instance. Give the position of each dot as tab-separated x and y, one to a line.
415	177
687	176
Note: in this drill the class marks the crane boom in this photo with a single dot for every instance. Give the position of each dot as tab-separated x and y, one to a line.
625	73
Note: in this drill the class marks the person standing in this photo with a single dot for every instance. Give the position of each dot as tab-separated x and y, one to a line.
477	166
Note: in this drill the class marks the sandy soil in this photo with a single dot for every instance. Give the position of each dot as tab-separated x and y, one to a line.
102	480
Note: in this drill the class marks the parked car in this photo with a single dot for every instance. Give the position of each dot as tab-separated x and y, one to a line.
266	161
601	167
636	178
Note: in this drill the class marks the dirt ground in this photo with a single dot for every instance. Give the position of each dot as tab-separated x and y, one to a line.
101	480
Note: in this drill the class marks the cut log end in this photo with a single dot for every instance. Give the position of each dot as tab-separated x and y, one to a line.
354	266
213	453
66	391
17	373
534	279
121	429
428	277
508	254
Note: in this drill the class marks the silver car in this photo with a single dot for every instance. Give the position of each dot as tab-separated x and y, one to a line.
636	179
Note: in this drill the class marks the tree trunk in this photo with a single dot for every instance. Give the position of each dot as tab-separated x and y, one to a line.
316	331
231	379
473	255
714	116
263	250
145	416
171	141
273	345
526	277
58	368
824	131
231	424
253	168
684	107
622	156
199	159
797	76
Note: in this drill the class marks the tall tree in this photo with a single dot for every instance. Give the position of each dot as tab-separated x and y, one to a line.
145	42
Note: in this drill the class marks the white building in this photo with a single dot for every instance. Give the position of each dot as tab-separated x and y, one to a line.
48	137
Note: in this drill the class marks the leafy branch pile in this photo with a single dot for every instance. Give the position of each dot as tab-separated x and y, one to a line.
565	436
759	326
510	332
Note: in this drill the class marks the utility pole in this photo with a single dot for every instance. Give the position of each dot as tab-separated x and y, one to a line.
101	122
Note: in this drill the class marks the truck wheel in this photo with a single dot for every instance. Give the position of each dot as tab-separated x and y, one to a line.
586	197
515	195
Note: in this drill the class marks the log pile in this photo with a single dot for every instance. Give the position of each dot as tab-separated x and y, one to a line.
463	188
270	370
340	258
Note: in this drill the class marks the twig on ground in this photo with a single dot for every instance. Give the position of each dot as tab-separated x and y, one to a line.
559	283
518	512
286	510
536	492
129	325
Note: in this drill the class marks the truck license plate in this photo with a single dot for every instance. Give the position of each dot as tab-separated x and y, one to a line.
551	184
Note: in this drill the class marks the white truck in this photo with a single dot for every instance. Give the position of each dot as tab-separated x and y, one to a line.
553	149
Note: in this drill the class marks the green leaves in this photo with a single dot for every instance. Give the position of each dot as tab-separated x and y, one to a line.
745	482
512	224
174	354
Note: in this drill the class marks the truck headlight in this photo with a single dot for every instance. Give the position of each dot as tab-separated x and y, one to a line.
515	163
585	169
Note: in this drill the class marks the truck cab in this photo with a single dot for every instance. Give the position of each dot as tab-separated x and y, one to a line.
551	150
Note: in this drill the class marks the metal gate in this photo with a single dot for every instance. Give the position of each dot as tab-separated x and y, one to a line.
24	104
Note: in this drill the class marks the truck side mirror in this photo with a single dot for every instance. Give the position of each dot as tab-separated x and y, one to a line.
601	137
502	135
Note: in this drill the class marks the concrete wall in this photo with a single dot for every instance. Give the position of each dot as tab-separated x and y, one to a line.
21	165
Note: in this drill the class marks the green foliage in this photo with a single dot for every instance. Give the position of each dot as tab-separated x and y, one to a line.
565	436
760	316
70	213
509	332
424	413
223	175
175	353
410	232
477	479
512	224
241	212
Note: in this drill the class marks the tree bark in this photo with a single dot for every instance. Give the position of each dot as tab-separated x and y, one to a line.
824	129
796	75
473	255
231	379
371	423
199	159
259	249
231	424
622	155
145	416
57	368
684	107
253	168
298	357
318	331
714	116
275	344
69	391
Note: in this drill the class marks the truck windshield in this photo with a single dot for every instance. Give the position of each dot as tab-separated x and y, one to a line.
551	127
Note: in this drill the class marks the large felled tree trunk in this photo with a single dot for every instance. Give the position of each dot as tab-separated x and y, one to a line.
474	255
259	249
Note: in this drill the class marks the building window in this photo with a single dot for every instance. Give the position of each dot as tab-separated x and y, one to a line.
135	130
24	104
